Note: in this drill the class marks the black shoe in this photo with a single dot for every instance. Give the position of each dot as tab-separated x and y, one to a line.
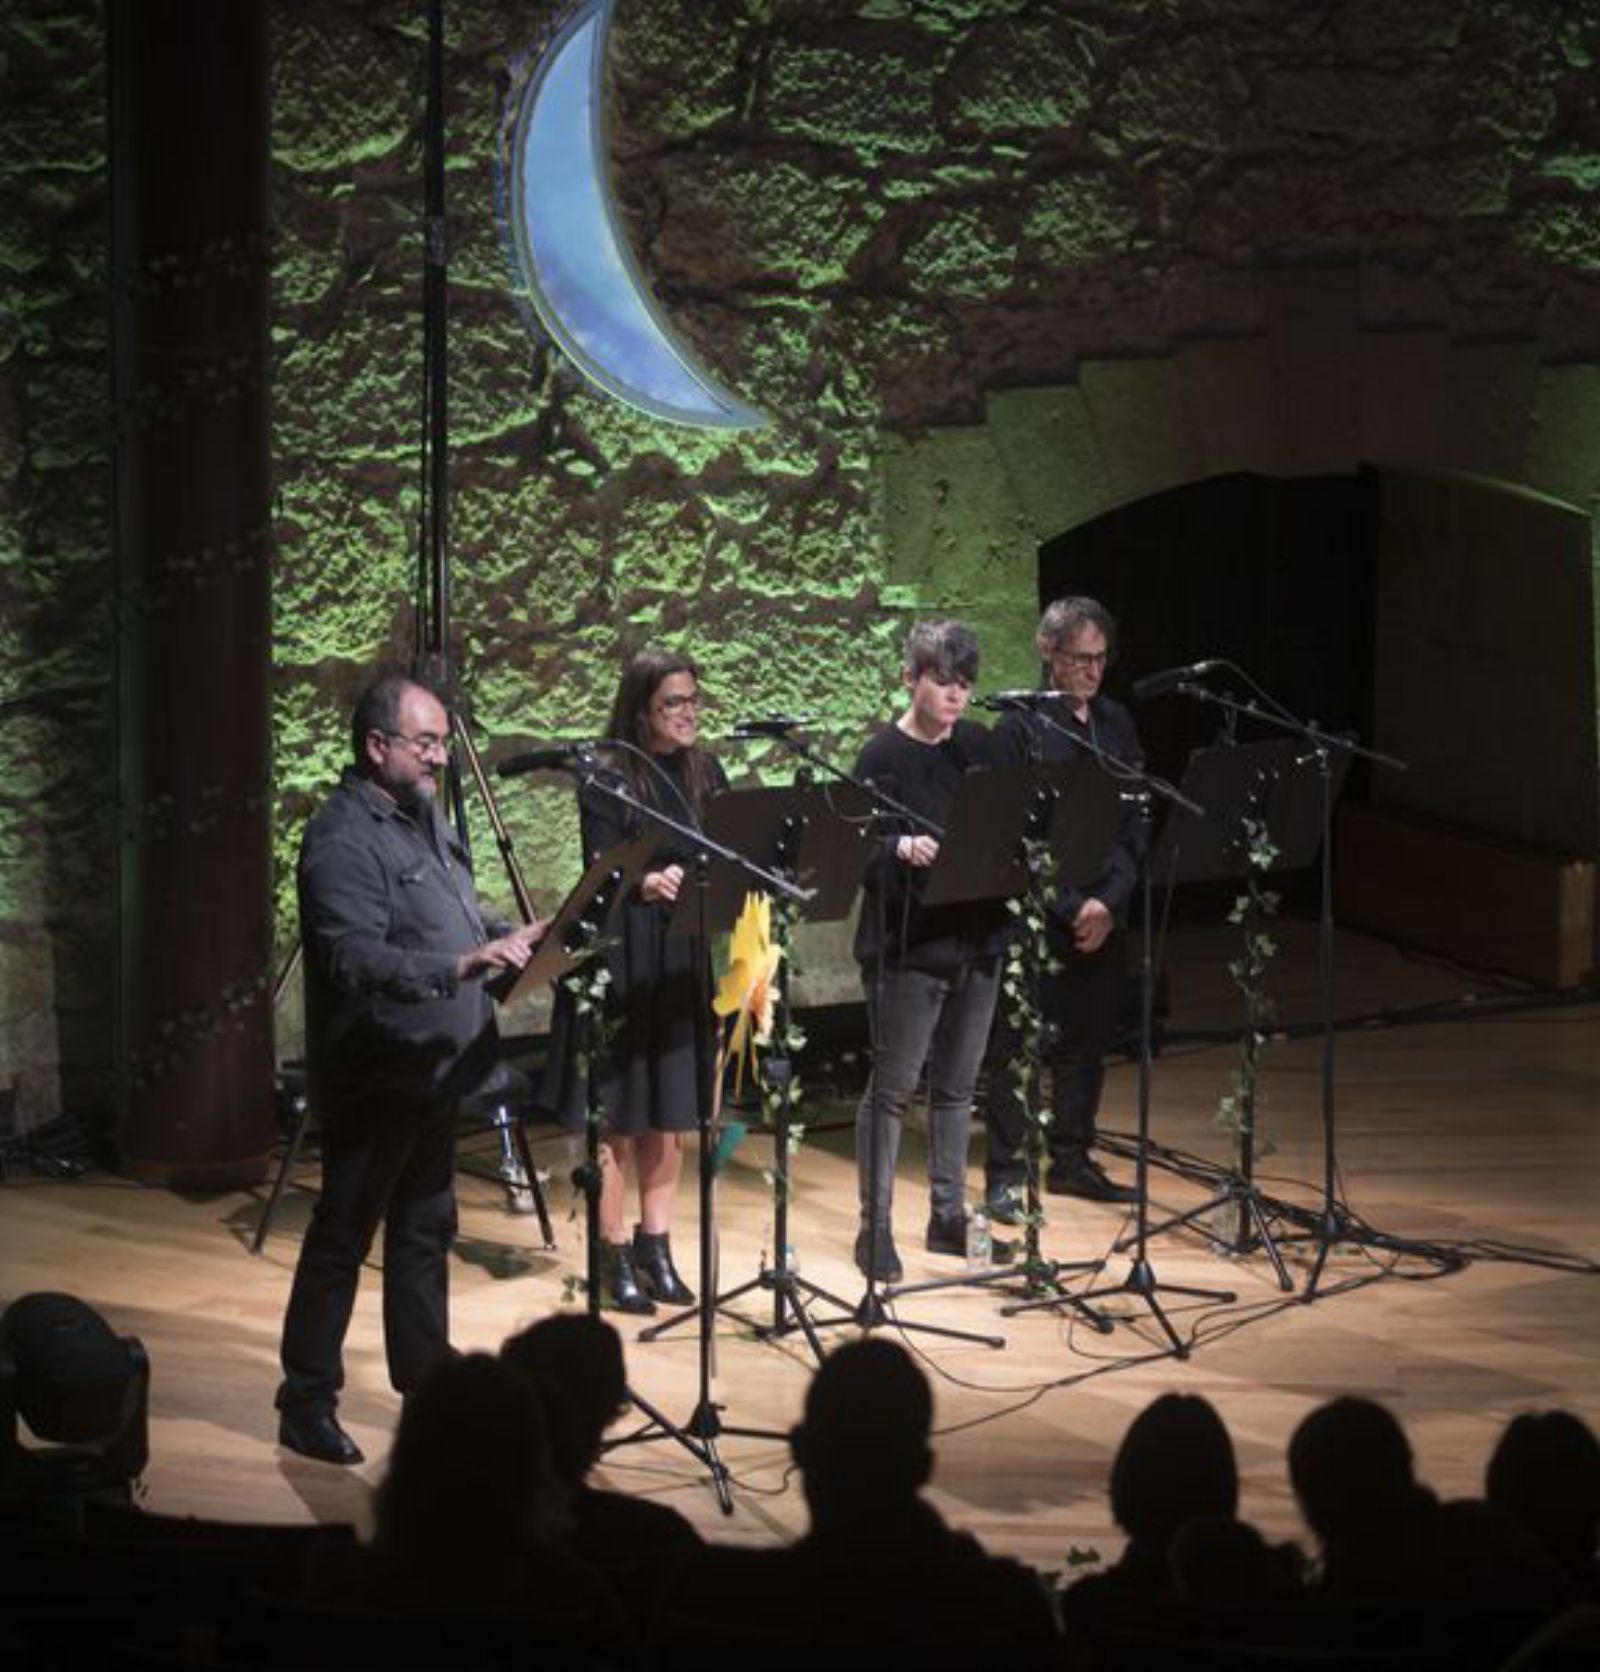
887	1268
1087	1179
652	1258
1004	1206
947	1234
619	1281
317	1434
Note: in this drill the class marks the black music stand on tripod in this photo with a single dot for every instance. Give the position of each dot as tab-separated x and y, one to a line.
576	931
575	935
1141	1281
1264	782
1331	1223
691	916
996	815
803	832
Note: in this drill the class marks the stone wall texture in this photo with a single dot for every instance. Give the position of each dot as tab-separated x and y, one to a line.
872	220
904	229
56	830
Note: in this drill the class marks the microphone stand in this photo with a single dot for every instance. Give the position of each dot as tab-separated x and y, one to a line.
870	1312
1331	1222
792	1294
1141	1281
699	1434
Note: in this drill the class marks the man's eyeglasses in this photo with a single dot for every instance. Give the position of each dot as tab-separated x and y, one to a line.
424	742
1082	658
677	702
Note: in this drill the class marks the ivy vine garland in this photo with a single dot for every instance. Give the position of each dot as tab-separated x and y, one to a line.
1253	910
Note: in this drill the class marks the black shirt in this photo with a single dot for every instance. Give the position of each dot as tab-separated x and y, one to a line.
1022	736
923	777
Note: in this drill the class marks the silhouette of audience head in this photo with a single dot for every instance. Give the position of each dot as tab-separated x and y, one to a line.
865	1436
469	1474
576	1360
1351	1469
1175	1462
1216	1559
1545	1472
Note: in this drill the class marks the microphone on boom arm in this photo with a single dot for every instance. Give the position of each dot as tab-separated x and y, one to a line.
560	757
1003	700
771	725
1157	684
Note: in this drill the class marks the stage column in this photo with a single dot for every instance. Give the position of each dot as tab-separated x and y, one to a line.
189	160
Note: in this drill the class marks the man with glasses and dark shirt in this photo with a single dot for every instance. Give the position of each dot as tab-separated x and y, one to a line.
399	1028
1076	639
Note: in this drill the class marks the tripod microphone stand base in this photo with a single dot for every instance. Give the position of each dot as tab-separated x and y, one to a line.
1039	1281
1332	1224
698	1437
1251	1207
1142	1283
792	1296
870	1313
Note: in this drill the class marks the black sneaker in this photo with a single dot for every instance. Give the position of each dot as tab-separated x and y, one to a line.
887	1267
1087	1179
947	1234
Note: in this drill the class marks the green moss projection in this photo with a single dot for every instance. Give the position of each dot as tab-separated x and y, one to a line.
958	247
869	217
56	830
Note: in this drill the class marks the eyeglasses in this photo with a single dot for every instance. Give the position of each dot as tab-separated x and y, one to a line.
425	742
676	702
1082	658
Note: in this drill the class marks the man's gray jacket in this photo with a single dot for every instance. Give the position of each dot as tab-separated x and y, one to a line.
387	906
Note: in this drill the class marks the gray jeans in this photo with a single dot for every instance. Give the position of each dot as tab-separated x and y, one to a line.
942	1021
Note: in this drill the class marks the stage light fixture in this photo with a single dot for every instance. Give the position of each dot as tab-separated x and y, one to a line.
79	1387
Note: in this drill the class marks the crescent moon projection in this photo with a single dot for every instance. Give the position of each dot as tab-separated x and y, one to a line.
568	249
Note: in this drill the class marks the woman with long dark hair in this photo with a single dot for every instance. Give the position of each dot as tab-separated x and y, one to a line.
646	1077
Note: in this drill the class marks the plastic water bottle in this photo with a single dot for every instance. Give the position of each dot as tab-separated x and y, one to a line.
980	1239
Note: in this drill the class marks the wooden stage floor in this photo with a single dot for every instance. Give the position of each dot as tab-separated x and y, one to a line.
1480	1131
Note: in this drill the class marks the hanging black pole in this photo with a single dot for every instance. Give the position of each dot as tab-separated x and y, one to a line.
436	350
433	561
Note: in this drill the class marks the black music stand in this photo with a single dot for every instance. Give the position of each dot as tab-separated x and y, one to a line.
1073	805
1269	778
1141	1282
692	916
815	835
1331	1223
575	935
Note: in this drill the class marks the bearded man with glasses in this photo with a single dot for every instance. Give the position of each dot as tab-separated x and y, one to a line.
399	1029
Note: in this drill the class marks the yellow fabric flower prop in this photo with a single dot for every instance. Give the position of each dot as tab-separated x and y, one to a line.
746	991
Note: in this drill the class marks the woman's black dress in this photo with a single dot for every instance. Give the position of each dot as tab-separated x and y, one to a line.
644	1074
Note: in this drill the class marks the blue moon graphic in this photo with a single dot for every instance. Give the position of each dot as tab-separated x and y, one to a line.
568	250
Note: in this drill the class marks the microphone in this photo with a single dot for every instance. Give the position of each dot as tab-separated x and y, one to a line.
554	759
771	725
1021	699
1155	684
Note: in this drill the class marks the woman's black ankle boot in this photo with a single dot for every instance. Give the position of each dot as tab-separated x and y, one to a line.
619	1281
652	1255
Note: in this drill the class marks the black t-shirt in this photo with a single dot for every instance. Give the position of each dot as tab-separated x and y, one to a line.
1022	737
923	777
